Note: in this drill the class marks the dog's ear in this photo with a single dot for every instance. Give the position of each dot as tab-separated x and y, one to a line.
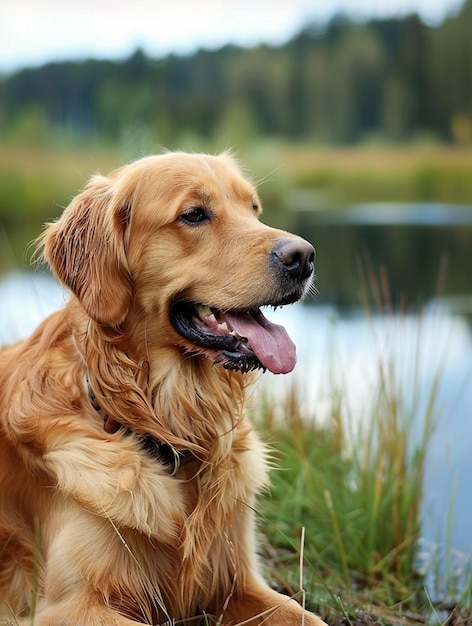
86	251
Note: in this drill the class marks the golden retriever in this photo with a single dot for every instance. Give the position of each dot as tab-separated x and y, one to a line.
128	469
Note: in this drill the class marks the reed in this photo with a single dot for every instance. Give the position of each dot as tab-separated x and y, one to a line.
354	481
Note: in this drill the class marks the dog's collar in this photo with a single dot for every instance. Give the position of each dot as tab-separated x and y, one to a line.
162	452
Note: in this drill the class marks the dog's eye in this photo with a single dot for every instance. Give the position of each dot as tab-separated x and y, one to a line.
195	215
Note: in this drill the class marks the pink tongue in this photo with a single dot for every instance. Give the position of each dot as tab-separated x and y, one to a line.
270	342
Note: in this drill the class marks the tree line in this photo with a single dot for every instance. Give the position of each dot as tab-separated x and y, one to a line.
393	80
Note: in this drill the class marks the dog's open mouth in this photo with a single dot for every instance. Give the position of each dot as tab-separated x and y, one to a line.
239	340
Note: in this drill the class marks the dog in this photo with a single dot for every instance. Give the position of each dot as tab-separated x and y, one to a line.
128	469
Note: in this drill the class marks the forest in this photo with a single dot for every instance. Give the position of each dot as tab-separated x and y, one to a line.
395	80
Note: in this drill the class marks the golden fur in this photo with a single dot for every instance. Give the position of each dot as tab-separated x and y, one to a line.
93	529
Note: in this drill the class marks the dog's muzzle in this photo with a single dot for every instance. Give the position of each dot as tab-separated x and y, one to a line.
243	338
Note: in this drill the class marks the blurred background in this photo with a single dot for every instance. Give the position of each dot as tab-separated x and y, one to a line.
355	120
330	110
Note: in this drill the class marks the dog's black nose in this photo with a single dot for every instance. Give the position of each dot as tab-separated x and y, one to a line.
296	256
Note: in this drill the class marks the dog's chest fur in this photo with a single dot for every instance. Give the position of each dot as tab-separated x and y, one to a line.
157	526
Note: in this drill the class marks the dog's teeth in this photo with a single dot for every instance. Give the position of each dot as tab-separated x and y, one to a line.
223	327
204	311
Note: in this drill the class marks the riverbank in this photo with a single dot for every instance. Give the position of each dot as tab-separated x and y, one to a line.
37	182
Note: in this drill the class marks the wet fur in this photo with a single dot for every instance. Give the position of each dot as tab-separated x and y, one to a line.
92	529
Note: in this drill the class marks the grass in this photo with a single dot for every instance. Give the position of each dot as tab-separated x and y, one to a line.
35	185
360	512
354	483
349	175
36	182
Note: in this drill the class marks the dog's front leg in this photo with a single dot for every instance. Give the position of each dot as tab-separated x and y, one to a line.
257	604
115	480
78	611
65	615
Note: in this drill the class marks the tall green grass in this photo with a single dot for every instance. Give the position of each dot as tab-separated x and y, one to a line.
354	482
358	496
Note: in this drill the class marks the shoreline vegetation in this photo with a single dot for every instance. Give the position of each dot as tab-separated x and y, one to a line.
343	516
37	183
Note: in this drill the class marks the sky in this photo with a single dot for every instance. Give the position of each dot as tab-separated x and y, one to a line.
33	32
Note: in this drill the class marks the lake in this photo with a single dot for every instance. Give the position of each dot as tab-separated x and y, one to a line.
420	251
345	348
407	257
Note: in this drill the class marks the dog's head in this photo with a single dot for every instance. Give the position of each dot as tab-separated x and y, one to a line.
174	243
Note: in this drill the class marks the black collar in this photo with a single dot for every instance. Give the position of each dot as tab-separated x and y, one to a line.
163	453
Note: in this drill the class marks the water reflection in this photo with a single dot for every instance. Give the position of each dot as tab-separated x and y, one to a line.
425	250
